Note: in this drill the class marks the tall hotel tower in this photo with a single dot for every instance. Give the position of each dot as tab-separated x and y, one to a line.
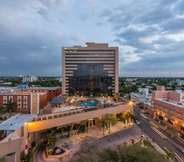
90	70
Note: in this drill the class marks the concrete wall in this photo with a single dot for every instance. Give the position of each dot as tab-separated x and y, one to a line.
160	88
160	94
14	146
174	96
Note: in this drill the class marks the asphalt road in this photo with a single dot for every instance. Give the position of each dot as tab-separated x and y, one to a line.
162	141
40	157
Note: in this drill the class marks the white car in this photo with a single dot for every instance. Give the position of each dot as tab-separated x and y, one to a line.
137	121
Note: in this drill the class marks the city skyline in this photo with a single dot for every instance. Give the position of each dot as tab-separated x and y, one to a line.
149	35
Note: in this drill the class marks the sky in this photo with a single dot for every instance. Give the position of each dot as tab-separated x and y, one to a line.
149	34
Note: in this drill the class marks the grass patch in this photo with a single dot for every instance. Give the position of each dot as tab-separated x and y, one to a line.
147	143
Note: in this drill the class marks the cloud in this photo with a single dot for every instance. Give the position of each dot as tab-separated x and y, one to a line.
44	13
153	29
148	33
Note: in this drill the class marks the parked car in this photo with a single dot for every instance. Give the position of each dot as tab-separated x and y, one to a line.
137	121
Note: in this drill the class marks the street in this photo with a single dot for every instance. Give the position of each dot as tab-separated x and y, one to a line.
159	135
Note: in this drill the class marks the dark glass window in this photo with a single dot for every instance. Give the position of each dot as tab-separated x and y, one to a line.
90	79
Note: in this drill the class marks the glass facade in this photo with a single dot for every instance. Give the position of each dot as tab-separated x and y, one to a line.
90	79
90	70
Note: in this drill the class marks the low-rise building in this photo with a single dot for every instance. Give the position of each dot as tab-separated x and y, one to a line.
26	103
51	91
168	107
141	96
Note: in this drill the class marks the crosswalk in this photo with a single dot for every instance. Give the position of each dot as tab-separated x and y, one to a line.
153	124
158	132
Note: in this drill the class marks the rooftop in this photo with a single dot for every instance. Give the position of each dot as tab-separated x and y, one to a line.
57	100
172	102
16	121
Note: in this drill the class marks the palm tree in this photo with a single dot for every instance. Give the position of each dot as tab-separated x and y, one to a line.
104	124
2	109
111	120
50	138
127	116
10	107
121	118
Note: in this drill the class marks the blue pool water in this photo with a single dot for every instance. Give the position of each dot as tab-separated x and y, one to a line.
89	103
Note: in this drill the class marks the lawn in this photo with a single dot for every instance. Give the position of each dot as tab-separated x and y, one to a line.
146	143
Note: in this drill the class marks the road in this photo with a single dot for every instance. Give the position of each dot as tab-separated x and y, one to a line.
39	155
161	137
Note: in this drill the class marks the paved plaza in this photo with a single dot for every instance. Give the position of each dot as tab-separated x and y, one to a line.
117	137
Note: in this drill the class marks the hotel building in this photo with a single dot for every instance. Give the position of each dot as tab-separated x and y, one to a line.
90	70
168	107
26	103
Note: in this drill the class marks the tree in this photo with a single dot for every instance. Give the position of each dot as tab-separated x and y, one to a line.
141	154
133	141
104	124
109	155
127	117
182	128
116	97
2	109
121	118
111	120
50	137
10	107
133	153
168	153
2	159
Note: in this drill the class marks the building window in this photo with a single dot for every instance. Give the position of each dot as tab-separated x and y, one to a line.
19	103
18	98
180	117
4	99
25	98
180	122
11	98
172	109
172	118
25	107
179	111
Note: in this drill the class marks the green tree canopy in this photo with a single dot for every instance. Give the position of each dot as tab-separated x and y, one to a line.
133	153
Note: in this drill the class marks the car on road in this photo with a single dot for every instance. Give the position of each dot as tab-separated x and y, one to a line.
137	122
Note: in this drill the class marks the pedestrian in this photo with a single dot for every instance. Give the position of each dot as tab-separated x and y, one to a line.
153	139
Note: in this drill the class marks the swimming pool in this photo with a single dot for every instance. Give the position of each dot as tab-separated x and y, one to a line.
89	103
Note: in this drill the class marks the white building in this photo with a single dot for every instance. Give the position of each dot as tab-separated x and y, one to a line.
177	81
29	78
141	96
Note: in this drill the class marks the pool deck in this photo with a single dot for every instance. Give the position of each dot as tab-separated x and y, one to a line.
74	103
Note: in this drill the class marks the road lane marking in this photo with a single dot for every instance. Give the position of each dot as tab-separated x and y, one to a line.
158	132
178	158
153	124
